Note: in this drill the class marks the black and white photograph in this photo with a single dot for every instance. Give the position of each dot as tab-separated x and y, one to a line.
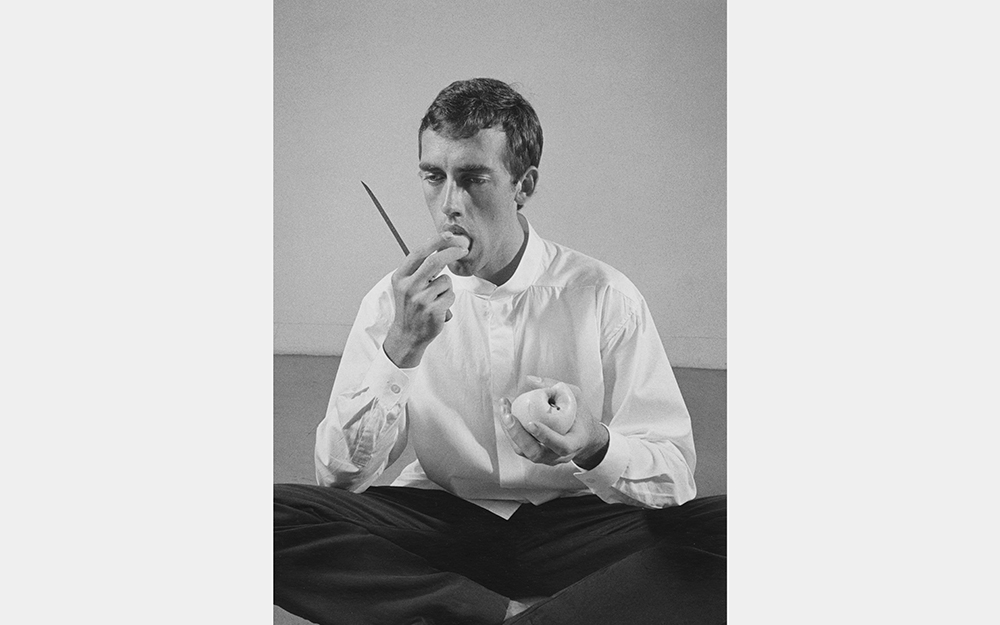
500	312
432	312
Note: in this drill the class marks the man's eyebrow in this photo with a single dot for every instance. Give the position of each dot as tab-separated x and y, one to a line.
476	169
467	169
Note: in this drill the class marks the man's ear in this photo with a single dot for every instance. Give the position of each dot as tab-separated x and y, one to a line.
526	188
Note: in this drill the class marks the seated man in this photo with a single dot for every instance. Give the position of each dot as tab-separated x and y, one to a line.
492	509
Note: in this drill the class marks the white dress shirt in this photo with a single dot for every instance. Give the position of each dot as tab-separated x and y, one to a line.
562	315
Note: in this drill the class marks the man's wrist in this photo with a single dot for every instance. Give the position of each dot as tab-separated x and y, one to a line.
589	461
402	354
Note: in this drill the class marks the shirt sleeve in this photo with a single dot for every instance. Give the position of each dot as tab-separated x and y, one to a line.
650	459
364	429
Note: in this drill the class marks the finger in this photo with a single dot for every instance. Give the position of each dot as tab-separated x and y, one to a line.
508	422
416	257
428	295
435	289
524	443
549	438
439	285
436	306
444	302
437	261
539	382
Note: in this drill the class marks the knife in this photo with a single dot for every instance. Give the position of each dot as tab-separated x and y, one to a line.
399	239
388	222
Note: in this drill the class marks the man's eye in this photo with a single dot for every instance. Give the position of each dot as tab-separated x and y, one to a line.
433	177
476	180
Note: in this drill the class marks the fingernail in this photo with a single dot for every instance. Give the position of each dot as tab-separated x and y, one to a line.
447	234
533	428
534	378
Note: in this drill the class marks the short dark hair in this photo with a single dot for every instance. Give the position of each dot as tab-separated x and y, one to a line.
465	107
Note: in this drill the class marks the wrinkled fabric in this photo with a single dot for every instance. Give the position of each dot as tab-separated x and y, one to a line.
562	315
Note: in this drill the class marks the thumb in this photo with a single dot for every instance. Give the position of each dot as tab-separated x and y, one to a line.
539	382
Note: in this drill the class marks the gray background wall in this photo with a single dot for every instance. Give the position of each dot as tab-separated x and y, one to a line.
631	96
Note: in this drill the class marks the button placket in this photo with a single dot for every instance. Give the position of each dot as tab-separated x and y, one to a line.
501	334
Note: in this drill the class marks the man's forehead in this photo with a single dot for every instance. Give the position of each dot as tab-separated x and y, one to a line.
483	149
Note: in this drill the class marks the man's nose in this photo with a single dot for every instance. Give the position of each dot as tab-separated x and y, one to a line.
451	204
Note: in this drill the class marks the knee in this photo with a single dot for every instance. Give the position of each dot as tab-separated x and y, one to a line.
303	504
707	511
287	493
706	515
292	504
706	523
716	504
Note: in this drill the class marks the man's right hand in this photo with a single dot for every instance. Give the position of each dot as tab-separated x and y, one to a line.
422	298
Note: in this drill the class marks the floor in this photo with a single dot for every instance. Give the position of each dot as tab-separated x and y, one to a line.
302	389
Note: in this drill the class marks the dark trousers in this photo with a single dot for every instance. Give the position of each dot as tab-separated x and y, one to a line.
402	555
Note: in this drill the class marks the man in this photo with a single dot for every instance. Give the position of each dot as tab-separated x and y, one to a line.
493	510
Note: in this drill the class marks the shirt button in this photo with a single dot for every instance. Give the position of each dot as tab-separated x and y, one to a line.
394	388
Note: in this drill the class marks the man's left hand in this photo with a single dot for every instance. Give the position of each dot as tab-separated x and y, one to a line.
585	443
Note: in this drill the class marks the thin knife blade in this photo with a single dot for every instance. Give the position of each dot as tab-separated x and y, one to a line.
388	222
399	239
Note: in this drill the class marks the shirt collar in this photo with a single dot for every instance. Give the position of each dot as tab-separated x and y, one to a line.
524	276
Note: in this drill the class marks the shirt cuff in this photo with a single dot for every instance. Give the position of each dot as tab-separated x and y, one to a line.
389	383
611	468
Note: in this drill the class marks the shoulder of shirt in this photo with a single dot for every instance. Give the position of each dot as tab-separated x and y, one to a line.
568	268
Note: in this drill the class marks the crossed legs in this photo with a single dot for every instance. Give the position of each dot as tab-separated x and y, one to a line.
399	555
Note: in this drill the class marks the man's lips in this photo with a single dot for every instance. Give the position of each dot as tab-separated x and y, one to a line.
459	232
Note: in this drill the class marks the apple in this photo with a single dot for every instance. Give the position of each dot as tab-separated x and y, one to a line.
458	240
554	406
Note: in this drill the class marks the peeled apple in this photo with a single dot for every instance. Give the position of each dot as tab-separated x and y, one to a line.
554	406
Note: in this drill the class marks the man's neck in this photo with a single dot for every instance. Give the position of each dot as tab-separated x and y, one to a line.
502	276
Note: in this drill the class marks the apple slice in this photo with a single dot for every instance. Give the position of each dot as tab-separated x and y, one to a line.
458	239
554	406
